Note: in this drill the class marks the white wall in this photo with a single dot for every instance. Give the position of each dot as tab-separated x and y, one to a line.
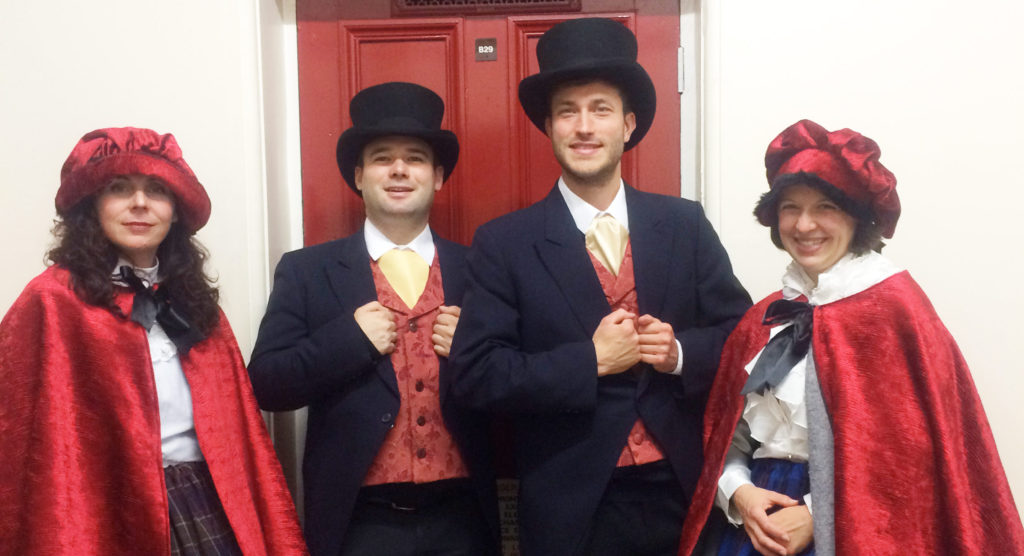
284	194
938	85
188	67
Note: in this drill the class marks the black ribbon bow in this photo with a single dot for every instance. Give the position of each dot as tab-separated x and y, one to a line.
786	349
153	306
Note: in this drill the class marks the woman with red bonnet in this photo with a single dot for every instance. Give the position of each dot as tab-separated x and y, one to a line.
127	424
843	419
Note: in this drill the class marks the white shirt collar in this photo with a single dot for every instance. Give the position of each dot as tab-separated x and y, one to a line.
377	243
851	274
149	276
583	213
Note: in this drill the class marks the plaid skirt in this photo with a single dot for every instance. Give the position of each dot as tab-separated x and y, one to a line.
199	526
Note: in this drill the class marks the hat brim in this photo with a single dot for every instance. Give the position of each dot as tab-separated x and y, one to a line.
350	147
191	201
629	77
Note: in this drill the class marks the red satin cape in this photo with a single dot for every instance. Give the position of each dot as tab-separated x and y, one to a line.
81	469
916	468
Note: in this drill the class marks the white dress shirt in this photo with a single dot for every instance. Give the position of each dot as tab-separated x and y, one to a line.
774	423
583	213
377	243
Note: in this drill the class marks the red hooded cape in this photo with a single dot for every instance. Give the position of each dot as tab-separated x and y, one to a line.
81	468
916	468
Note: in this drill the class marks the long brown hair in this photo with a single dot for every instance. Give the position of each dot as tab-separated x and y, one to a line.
85	251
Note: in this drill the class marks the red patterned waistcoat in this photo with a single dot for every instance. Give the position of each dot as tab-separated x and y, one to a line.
620	291
419	449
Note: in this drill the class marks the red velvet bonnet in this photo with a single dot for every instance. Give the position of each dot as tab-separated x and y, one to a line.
105	153
843	159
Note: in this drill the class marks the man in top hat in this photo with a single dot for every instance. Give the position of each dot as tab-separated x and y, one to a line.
596	317
359	330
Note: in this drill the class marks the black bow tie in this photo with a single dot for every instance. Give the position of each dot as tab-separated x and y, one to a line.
786	349
152	306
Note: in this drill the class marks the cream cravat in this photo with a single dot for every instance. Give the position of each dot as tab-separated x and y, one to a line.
407	272
606	239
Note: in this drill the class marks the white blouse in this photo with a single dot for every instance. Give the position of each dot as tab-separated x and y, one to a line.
178	439
774	423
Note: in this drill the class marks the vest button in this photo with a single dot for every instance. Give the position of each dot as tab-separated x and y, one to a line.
385	418
421	420
421	453
412	326
419	385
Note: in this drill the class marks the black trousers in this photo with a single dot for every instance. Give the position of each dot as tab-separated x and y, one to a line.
640	514
442	518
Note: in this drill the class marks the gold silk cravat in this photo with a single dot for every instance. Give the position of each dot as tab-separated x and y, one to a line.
607	239
407	272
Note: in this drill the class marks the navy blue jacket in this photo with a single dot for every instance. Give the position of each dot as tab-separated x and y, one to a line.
524	348
311	352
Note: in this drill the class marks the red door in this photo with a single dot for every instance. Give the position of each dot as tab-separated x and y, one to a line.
505	163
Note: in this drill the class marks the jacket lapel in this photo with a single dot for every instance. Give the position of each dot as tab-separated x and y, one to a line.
350	279
453	280
453	270
348	272
650	238
563	252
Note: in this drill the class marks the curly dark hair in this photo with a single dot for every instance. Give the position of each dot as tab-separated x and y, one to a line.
84	250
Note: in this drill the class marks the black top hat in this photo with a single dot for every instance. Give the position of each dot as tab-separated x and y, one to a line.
589	48
395	108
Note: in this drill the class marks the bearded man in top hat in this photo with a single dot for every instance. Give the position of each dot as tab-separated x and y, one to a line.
595	318
359	330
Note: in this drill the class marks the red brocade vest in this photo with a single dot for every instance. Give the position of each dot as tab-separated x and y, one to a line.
419	449
81	466
620	291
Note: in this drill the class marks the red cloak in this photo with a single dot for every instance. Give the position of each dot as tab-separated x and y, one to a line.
916	468
81	467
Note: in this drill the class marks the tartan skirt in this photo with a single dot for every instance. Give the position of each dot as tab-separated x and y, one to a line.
199	526
789	478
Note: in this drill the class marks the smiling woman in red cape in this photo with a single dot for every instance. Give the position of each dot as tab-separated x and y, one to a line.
127	422
843	419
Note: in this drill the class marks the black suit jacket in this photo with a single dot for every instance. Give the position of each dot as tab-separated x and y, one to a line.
310	351
524	347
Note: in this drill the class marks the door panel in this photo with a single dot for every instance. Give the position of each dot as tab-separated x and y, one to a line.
365	54
419	51
505	163
536	167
